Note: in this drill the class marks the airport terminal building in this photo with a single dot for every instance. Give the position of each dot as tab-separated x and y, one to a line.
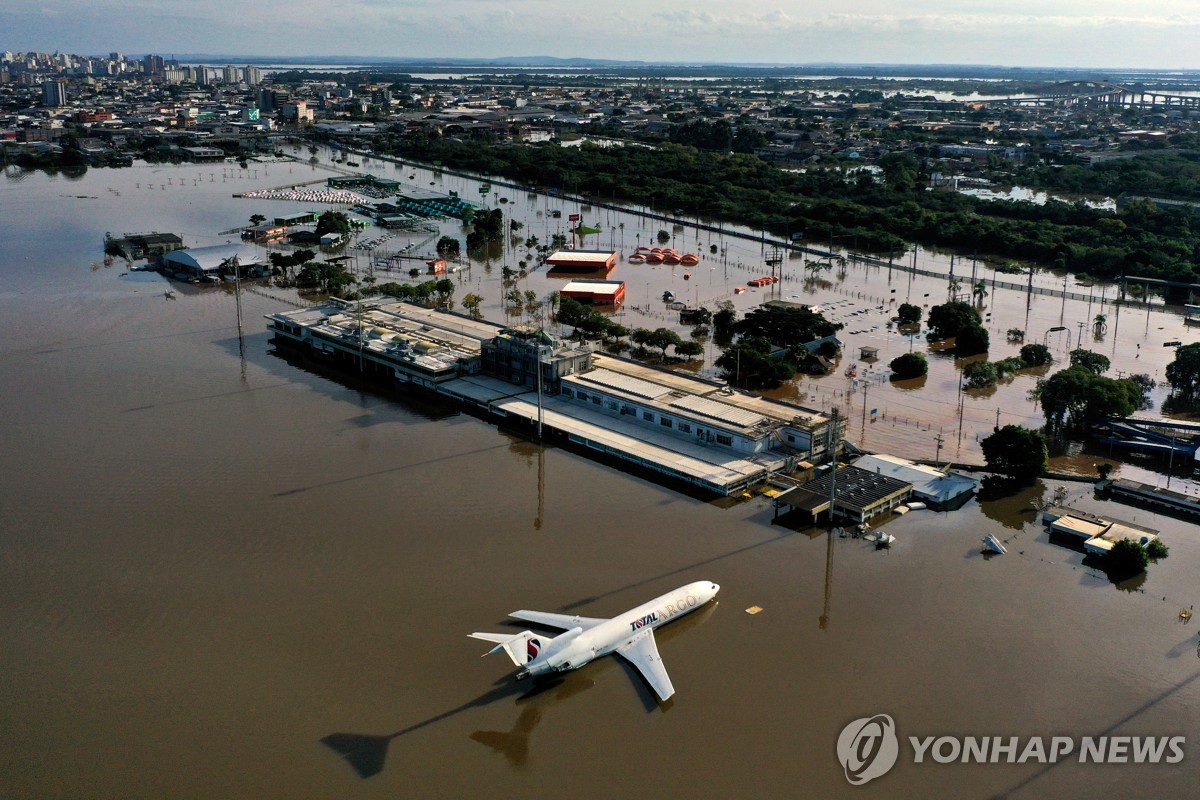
696	431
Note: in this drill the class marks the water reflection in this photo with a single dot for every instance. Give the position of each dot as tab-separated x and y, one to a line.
1122	580
366	753
420	408
910	384
513	744
1015	510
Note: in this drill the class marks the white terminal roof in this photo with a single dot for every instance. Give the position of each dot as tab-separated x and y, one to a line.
683	384
625	383
398	318
714	409
678	394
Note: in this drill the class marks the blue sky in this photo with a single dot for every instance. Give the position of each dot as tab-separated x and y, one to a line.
1086	33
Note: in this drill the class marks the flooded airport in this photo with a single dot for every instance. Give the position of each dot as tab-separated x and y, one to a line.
225	574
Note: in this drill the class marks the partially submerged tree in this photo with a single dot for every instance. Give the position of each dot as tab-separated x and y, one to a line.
1035	355
1019	453
909	365
947	319
749	364
1092	362
980	374
1126	558
908	314
448	247
471	302
1184	373
785	326
723	321
971	340
333	222
1076	396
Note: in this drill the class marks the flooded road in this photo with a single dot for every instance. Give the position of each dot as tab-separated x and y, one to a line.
222	575
909	418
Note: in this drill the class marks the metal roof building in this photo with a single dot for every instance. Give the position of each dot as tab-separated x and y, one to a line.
859	494
596	292
206	260
930	484
583	260
695	410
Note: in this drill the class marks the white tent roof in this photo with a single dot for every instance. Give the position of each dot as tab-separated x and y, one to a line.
210	259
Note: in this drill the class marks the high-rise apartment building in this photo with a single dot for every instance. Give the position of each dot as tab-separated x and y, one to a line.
54	93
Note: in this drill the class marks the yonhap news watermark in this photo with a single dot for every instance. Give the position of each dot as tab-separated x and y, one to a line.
869	747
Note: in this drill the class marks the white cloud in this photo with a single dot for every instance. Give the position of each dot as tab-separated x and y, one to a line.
1034	32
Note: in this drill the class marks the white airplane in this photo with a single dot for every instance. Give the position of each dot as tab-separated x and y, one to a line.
630	635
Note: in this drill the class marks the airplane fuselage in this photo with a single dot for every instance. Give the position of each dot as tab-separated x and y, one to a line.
577	646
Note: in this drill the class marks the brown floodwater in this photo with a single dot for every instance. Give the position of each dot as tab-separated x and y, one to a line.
909	418
224	575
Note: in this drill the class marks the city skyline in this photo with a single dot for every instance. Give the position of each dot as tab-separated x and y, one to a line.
1053	33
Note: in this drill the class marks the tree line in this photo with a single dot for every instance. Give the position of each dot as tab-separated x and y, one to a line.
884	215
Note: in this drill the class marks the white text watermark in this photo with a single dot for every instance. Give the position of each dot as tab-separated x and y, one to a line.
869	747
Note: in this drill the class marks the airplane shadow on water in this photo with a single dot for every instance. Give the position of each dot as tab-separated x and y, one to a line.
366	753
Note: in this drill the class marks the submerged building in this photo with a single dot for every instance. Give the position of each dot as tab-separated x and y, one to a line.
200	262
940	489
143	245
695	431
858	495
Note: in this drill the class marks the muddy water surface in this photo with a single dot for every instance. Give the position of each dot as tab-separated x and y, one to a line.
222	575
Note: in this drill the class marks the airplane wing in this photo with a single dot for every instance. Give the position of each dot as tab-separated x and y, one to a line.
642	652
564	621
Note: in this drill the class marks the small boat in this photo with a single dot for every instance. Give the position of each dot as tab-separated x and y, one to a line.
739	290
992	544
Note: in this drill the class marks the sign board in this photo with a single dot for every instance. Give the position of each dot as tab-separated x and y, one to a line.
574	217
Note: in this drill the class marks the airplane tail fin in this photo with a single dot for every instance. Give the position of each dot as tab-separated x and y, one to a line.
521	648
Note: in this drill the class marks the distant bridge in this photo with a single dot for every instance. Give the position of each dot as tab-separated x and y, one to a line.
1101	93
